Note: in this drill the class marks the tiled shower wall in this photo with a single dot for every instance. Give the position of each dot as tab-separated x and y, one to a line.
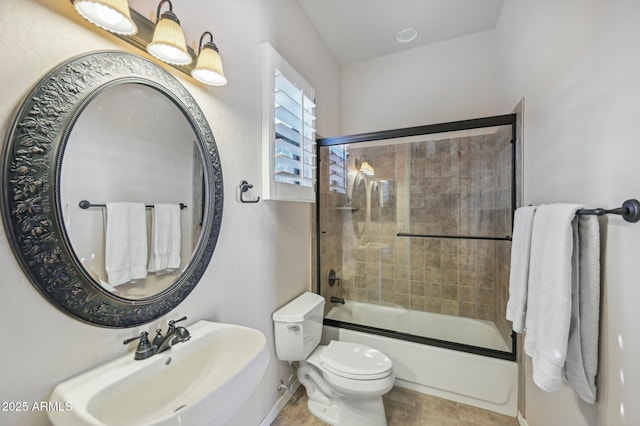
457	187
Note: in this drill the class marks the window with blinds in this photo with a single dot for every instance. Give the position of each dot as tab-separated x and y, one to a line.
294	133
289	132
338	168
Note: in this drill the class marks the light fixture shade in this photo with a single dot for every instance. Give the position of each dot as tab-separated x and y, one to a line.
111	15
168	42
367	169
208	69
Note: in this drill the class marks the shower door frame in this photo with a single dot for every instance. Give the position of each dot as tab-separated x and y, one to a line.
452	126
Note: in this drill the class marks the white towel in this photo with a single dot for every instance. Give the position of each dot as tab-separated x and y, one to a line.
549	296
165	238
581	365
549	325
126	242
519	272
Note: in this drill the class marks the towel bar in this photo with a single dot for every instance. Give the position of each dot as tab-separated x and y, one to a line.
630	211
461	237
84	204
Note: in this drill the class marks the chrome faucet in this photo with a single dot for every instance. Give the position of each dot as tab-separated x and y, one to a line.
335	299
160	343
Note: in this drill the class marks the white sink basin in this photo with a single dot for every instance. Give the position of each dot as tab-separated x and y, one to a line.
205	380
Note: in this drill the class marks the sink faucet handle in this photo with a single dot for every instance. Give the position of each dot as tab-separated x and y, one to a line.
145	349
143	336
172	324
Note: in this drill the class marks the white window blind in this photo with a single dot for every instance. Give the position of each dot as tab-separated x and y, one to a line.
338	169
294	133
289	132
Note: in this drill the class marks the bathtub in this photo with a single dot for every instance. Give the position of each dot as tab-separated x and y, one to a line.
477	380
449	328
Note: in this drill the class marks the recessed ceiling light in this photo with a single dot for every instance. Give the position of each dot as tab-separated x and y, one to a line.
407	35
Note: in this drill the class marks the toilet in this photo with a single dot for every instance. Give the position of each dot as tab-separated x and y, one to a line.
344	381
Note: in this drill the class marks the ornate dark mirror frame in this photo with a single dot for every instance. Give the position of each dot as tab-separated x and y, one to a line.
31	209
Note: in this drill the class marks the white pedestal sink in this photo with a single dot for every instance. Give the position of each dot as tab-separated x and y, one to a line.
203	381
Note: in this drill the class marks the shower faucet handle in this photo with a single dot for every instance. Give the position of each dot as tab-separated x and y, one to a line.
333	278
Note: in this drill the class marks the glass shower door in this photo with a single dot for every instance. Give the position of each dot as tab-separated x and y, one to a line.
419	234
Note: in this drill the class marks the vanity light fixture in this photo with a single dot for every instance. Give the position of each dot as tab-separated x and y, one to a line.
208	69
164	39
111	15
168	42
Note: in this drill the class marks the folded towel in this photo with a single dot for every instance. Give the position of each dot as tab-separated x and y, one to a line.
549	295
126	242
519	272
581	365
165	238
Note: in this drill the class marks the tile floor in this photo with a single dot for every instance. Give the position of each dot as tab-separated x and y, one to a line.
403	408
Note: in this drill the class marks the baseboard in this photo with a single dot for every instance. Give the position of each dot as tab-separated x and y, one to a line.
521	420
279	405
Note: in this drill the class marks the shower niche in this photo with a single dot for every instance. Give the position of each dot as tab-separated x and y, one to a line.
418	222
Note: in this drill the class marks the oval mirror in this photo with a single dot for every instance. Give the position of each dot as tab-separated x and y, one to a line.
104	132
130	144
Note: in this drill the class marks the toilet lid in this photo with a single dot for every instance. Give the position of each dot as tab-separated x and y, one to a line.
353	360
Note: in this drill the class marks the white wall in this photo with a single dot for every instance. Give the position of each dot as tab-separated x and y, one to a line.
262	259
447	81
577	65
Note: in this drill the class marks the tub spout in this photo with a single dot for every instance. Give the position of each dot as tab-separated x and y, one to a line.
335	299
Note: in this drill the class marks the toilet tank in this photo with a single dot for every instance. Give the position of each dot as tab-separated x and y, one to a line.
298	327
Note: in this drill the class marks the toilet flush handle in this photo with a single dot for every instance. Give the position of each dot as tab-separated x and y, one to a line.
294	328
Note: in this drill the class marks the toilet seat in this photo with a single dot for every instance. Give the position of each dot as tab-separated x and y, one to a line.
355	361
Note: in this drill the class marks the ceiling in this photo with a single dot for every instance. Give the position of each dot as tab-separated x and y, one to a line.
356	30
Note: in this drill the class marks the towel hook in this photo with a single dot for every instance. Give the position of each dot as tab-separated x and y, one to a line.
244	187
